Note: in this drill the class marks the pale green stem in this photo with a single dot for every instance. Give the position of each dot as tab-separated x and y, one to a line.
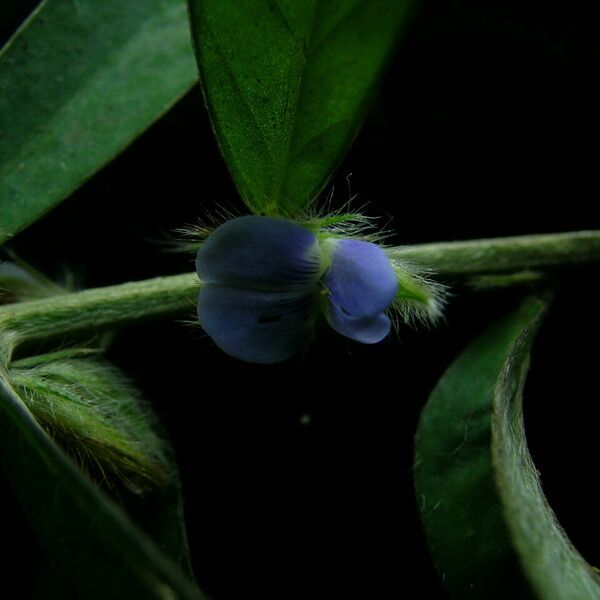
505	255
97	309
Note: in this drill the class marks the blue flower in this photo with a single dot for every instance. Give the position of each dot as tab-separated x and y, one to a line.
265	281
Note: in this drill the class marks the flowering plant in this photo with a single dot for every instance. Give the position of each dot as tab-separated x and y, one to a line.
285	411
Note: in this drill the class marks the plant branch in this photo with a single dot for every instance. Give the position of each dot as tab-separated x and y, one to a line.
94	310
505	255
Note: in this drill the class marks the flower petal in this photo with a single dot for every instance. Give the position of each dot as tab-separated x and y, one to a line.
260	253
257	326
368	330
361	280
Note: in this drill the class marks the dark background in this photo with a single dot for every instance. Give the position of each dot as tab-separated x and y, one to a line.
297	478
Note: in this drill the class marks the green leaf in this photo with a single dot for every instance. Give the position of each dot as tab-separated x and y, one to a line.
78	82
488	525
287	83
95	411
95	546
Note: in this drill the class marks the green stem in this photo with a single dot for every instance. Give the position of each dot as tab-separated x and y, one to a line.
505	255
98	309
102	308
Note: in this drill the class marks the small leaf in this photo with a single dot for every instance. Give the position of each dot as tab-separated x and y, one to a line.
78	82
287	84
96	413
488	524
99	418
93	544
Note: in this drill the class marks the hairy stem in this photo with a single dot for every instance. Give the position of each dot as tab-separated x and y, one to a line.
97	309
505	255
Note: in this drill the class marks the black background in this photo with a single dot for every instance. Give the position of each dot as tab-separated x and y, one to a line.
486	125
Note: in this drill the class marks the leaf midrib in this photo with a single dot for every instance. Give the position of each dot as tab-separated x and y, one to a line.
276	192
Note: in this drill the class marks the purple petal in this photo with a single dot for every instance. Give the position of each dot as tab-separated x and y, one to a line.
257	326
368	330
361	280
260	253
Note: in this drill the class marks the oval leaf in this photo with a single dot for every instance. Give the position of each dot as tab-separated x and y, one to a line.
78	82
287	83
488	524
